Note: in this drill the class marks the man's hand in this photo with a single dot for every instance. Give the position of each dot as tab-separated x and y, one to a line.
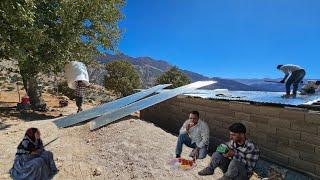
195	152
282	81
190	125
230	153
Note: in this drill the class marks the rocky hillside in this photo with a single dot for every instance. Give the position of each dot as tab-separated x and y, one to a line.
149	69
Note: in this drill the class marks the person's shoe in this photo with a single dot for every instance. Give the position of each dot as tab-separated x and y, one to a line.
178	156
206	171
79	110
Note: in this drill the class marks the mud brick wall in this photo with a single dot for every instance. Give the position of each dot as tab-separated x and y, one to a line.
290	137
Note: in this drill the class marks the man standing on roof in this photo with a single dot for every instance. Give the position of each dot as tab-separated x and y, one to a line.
297	74
195	134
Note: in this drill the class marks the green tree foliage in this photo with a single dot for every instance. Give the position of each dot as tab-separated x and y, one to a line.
175	77
42	35
121	77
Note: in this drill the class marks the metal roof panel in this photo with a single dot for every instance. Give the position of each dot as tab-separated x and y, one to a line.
257	96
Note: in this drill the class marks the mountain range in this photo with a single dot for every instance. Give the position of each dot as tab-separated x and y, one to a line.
149	69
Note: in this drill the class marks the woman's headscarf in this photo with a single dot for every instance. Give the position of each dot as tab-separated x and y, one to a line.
29	143
30	133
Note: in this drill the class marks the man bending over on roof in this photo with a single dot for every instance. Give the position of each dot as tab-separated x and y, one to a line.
195	134
311	87
297	74
236	158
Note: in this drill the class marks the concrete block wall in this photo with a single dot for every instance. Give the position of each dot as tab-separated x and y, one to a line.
290	137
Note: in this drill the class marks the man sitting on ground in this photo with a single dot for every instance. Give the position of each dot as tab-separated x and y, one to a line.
195	134
239	158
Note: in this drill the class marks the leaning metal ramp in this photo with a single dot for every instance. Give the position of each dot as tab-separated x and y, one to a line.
144	103
107	107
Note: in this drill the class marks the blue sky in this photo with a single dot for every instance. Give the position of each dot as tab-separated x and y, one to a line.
225	38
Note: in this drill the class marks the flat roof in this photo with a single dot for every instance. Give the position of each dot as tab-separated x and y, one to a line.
257	97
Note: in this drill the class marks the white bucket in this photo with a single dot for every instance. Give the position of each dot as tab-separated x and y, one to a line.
76	71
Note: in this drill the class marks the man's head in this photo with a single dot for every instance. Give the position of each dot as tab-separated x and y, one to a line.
279	66
194	116
237	132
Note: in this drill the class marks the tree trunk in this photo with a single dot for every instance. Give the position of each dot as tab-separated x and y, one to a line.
34	92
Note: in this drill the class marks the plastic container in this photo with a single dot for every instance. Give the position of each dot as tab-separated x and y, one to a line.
25	100
222	148
76	71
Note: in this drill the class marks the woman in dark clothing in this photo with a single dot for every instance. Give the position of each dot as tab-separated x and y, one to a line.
32	161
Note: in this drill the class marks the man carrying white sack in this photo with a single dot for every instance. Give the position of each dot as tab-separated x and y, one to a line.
195	134
78	79
79	93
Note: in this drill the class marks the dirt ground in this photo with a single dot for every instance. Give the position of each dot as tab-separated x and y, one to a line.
128	149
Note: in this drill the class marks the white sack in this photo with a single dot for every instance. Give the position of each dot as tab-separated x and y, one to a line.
76	71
